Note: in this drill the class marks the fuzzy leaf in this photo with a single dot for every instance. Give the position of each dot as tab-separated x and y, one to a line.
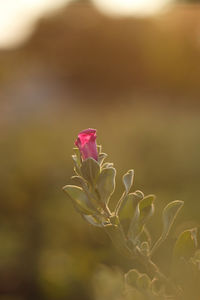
78	180
79	199
169	214
186	244
128	180
143	212
127	209
131	277
146	208
90	170
106	184
143	282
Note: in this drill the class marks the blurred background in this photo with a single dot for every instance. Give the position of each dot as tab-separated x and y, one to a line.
130	69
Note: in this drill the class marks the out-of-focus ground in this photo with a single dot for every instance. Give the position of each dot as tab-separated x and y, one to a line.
138	82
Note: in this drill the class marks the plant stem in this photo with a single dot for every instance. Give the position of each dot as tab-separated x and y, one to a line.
154	271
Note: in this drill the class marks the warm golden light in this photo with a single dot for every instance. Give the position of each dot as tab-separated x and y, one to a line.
131	7
17	18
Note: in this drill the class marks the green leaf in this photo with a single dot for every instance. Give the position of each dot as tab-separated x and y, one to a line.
143	282
131	277
158	288
144	210
169	215
101	158
128	206
90	170
106	184
128	180
186	244
78	180
125	202
79	199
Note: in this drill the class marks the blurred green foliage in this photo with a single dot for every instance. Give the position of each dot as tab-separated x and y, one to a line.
46	248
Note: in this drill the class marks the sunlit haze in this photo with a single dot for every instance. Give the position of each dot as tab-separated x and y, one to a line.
131	7
17	18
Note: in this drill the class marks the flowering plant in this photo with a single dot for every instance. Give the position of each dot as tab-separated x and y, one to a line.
126	225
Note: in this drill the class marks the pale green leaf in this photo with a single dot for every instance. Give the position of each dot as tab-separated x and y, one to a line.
186	244
143	282
128	180
131	277
144	210
169	214
79	198
106	184
90	170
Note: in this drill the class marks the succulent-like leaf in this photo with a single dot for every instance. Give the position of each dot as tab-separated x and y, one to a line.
128	180
131	277
106	184
90	170
143	282
158	288
169	214
144	210
127	209
79	198
78	180
186	244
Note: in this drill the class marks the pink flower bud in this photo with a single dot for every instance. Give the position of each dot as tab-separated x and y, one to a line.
86	142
